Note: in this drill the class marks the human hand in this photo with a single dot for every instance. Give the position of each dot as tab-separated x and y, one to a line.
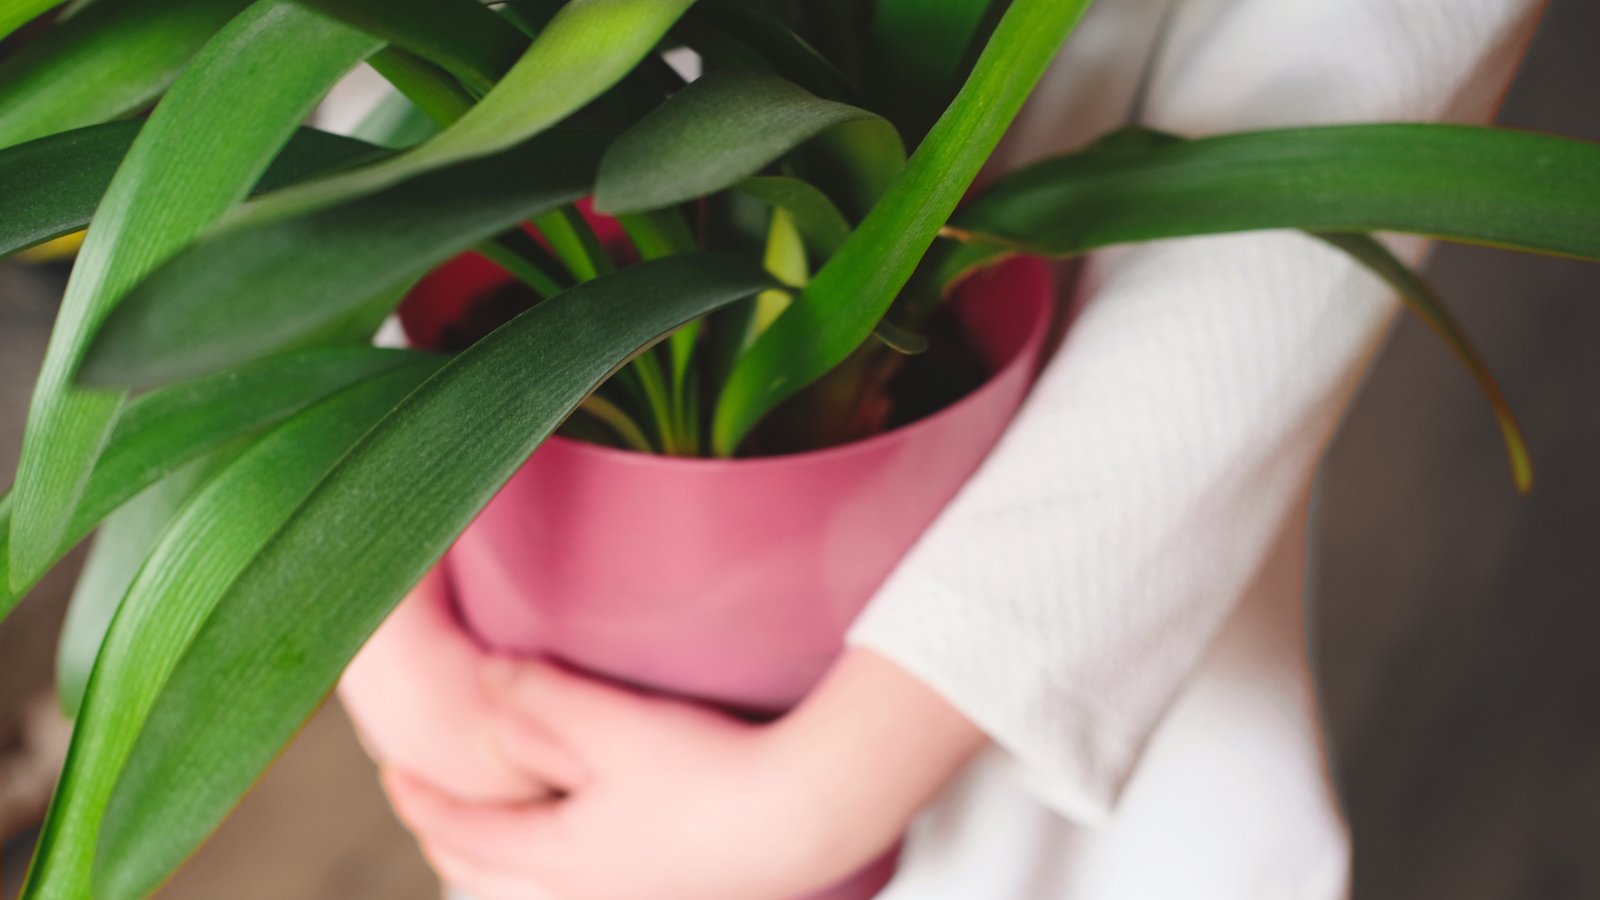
417	701
682	802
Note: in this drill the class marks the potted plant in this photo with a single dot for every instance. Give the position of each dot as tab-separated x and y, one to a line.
758	287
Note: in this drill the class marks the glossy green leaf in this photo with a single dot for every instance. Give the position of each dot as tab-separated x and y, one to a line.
121	545
588	47
197	557
249	290
842	304
51	186
16	13
1514	189
462	36
821	225
714	133
105	62
1421	299
920	47
206	144
276	643
162	430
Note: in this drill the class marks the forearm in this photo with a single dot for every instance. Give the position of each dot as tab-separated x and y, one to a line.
863	754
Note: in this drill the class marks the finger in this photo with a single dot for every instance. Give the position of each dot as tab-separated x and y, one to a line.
529	747
465	879
487	834
561	699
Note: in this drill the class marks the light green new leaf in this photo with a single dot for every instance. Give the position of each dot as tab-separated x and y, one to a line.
712	134
1514	189
462	36
105	62
588	47
840	307
206	144
162	430
16	13
255	288
197	557
51	186
1420	298
276	643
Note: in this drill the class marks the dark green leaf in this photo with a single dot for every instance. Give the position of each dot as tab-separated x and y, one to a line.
214	536
1504	188
51	186
249	290
840	307
772	42
105	62
714	133
162	430
277	641
208	141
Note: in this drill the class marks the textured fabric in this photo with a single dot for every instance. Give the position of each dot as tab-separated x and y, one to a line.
1070	600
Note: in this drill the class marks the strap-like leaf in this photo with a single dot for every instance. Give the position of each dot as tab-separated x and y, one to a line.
197	557
1420	298
758	27
121	545
713	133
462	36
277	641
162	430
106	61
51	186
1505	188
840	307
206	144
255	288
589	46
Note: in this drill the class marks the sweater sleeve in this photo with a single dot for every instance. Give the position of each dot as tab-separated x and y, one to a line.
1069	591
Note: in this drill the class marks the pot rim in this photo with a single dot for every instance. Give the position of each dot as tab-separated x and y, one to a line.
1026	354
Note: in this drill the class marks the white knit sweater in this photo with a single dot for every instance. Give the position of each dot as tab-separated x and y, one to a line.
1115	597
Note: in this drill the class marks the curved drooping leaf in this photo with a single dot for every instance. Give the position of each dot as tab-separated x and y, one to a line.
1515	189
214	536
206	144
254	288
588	47
277	641
1420	298
714	133
105	62
162	430
843	303
821	225
51	186
462	36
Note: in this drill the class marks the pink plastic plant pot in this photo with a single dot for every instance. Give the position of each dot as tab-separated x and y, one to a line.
734	581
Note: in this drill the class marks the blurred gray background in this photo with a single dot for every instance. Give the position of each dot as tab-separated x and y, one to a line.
1456	625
